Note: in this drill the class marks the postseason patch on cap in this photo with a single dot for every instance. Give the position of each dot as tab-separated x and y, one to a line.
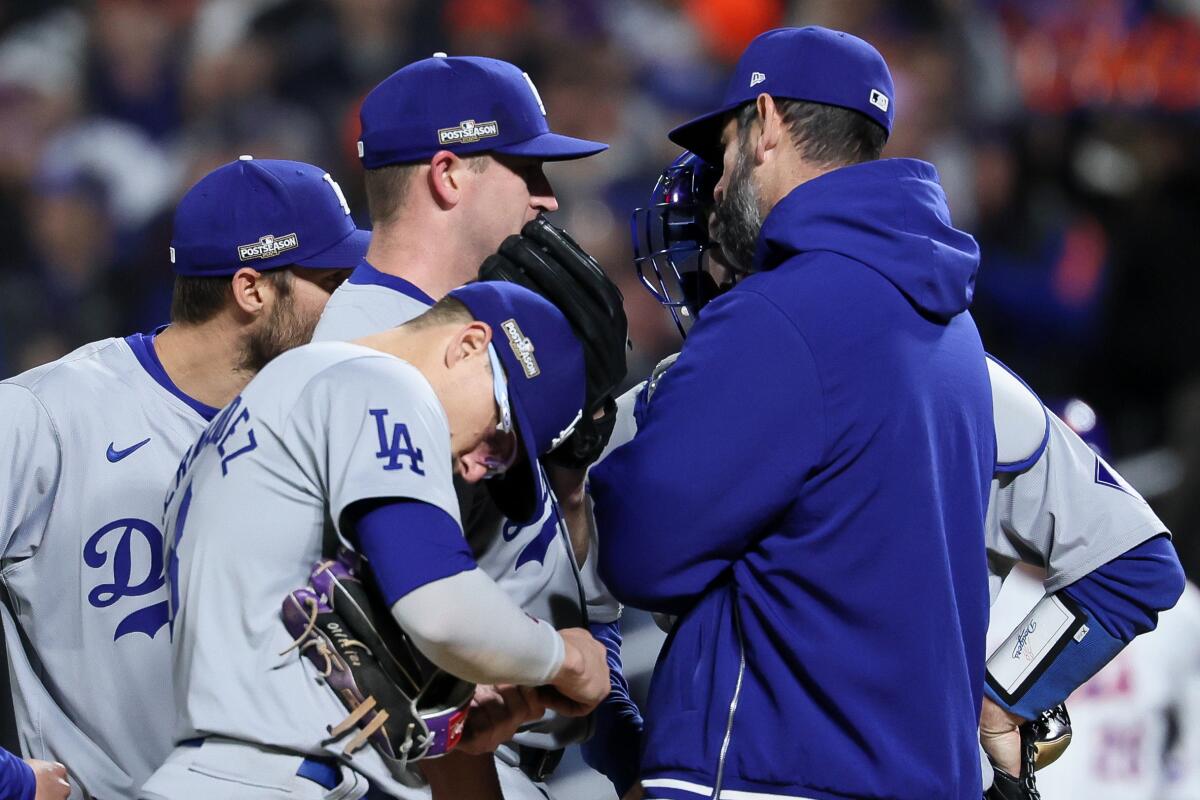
522	348
468	132
268	246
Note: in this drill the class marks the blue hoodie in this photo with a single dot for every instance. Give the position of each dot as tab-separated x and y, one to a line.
807	492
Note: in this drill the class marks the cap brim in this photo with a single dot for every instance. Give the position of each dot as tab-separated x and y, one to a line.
519	492
346	253
553	147
702	135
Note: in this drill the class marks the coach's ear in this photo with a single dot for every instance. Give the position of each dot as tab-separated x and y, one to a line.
471	341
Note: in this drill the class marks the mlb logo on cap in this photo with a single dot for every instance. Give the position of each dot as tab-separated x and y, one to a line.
462	104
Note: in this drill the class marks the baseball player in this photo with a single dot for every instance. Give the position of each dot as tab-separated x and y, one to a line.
91	440
1136	729
360	442
1053	501
453	149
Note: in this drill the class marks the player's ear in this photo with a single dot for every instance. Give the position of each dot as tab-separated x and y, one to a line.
471	341
446	178
249	294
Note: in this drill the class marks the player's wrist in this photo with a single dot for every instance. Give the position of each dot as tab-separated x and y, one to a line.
571	667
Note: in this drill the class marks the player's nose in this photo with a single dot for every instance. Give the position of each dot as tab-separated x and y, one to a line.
719	190
541	193
544	203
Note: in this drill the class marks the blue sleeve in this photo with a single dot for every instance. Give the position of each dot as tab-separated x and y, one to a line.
1126	594
616	744
724	446
409	543
16	778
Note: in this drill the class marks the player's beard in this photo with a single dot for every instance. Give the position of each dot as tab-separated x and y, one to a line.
281	331
736	219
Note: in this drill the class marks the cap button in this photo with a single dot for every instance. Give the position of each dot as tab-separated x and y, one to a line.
245	158
440	54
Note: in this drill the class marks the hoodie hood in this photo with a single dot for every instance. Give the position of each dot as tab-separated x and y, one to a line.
889	214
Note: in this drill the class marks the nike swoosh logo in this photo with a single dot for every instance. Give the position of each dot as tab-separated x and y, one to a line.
116	455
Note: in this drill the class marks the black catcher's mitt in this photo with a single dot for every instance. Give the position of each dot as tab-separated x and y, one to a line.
545	259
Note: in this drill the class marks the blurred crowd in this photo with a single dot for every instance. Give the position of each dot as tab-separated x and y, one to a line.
1065	134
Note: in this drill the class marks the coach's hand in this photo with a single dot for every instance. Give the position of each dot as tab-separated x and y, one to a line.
51	780
582	680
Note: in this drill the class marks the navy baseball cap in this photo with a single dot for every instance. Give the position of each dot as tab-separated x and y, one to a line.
264	214
814	64
462	104
543	364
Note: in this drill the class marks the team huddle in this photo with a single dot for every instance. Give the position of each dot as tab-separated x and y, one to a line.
360	521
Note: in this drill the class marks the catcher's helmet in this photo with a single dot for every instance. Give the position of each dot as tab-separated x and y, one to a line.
671	245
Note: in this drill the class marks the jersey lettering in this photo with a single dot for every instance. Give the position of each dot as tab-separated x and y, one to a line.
119	535
173	562
1118	756
536	549
510	530
397	446
251	442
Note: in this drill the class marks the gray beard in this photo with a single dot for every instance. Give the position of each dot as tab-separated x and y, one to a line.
737	221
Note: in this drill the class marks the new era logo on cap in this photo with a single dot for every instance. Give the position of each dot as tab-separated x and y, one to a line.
879	100
268	246
522	348
467	132
756	78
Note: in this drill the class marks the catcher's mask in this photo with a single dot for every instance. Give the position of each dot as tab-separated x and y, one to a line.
672	251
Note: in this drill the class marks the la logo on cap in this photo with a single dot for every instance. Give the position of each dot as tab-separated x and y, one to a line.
879	100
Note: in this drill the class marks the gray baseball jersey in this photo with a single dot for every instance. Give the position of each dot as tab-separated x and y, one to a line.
90	443
252	503
532	563
1054	502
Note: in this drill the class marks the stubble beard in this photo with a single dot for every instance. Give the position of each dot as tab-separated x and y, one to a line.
284	329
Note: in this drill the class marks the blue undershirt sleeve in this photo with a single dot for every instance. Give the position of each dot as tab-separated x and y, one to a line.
614	748
1126	594
17	781
409	543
